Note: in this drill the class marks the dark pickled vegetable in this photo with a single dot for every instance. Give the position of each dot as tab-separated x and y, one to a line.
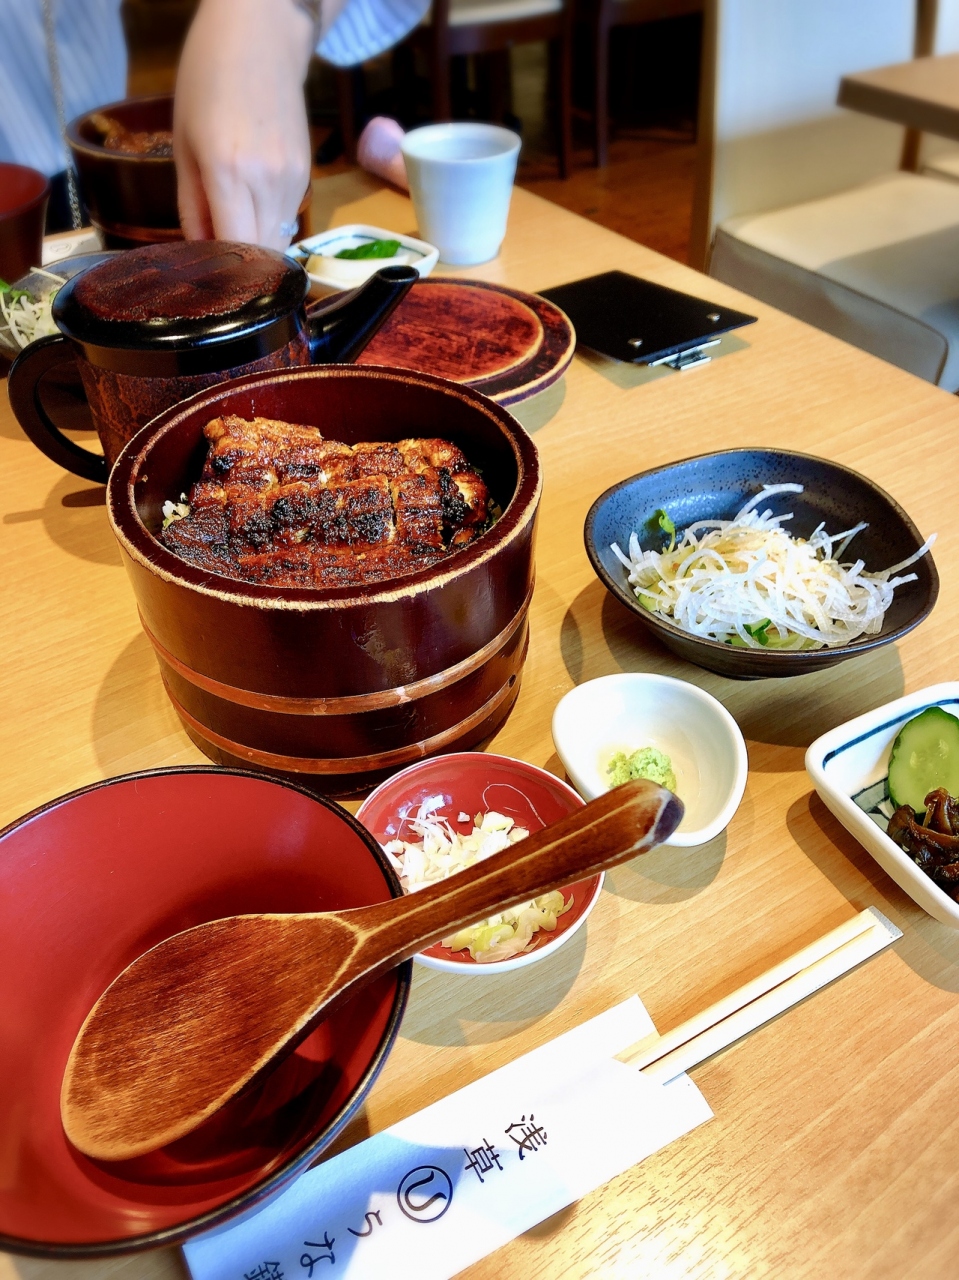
932	838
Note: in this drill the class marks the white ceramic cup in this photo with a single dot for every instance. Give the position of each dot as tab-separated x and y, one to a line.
461	179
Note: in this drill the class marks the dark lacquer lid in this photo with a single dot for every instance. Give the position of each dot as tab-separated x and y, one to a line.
184	307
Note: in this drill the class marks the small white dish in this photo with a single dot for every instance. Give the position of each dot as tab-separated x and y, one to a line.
635	709
853	761
349	273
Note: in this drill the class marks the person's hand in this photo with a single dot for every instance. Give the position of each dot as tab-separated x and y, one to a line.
240	135
379	151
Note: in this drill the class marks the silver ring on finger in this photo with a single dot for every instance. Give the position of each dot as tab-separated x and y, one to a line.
288	228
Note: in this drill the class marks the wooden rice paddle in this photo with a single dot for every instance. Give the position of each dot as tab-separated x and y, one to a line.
194	1020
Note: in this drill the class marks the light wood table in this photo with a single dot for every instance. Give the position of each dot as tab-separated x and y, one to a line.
835	1147
922	93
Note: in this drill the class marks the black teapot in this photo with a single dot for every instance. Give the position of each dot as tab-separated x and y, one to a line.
151	326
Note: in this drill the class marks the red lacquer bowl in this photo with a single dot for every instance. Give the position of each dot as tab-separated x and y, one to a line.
477	782
89	882
23	206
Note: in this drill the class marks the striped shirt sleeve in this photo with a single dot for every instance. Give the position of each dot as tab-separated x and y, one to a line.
365	28
93	69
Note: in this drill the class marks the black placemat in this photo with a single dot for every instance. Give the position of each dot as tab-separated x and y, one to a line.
637	321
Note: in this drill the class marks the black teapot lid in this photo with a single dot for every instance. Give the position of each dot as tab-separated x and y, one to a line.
212	303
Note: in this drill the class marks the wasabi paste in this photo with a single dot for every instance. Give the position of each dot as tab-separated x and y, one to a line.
647	763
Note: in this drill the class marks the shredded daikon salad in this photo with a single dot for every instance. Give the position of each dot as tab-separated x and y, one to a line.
440	852
748	582
25	317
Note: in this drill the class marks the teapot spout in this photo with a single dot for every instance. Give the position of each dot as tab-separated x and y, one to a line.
339	331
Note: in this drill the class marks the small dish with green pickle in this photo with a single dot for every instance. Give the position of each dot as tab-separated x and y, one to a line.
639	725
345	257
891	777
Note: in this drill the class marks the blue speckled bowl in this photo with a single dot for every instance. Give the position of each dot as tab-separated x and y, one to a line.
716	485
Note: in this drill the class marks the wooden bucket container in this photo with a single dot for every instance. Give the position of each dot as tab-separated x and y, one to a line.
335	688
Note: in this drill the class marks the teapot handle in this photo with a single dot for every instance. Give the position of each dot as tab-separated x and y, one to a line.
23	385
340	329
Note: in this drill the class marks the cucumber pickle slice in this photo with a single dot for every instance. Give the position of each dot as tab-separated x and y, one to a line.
924	756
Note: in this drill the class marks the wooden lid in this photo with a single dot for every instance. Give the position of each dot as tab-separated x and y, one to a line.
179	295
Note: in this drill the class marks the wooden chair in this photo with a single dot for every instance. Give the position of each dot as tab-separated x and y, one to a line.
603	16
458	27
346	93
938	34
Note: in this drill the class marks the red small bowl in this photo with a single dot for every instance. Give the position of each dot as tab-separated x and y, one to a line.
23	207
476	782
89	882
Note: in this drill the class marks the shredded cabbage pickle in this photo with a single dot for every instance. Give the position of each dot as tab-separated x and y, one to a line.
440	852
749	583
25	317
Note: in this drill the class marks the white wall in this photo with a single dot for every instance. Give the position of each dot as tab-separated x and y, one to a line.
947	27
780	139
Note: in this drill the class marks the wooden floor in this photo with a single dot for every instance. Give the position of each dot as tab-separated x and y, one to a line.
645	192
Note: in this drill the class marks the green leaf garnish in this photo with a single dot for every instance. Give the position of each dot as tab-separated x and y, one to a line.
758	630
14	293
372	249
667	526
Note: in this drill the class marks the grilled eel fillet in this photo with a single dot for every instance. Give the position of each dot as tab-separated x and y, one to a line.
280	505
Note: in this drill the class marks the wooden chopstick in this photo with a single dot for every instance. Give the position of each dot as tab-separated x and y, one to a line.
763	998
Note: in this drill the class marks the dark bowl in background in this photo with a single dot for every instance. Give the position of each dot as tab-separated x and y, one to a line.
93	879
336	688
132	199
716	486
24	194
